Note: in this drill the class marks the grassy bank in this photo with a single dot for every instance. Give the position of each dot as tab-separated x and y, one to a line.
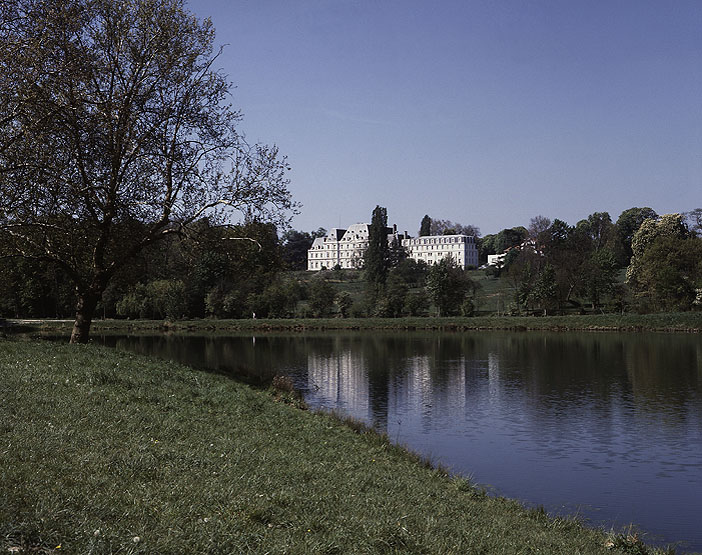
103	451
679	322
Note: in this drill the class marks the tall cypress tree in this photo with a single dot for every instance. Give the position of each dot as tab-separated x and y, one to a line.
425	226
377	259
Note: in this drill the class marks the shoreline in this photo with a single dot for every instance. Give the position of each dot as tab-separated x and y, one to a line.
684	322
132	445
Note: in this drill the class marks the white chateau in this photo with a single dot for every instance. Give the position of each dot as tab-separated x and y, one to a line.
433	248
345	248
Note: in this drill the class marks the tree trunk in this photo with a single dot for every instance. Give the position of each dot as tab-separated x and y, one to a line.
85	308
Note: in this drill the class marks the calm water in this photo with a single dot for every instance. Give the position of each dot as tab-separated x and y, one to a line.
608	426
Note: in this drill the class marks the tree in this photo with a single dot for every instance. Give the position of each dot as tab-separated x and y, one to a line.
511	237
411	271
416	303
448	285
537	226
500	242
115	132
344	302
599	228
377	256
295	247
395	295
671	273
599	275
425	226
322	296
162	298
628	224
278	300
545	289
447	227
565	249
666	265
522	274
695	219
396	252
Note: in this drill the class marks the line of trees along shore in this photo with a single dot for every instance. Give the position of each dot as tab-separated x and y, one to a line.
642	262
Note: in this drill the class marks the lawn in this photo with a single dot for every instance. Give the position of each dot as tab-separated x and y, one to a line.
103	452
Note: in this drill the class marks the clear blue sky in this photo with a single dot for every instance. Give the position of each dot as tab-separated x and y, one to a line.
481	112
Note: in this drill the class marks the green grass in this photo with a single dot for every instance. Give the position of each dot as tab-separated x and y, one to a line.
494	295
105	452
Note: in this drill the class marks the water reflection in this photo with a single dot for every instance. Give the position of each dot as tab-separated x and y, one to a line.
608	425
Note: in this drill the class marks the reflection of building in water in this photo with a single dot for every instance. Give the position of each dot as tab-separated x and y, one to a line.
432	389
341	379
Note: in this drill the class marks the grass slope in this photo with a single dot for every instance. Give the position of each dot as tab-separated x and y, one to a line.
105	452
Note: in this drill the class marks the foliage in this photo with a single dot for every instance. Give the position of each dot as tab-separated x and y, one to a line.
377	255
412	272
278	300
397	254
566	263
545	289
695	219
468	307
500	242
344	302
395	295
295	247
448	286
34	289
425	226
599	275
416	303
115	132
321	297
537	226
669	273
155	300
665	268
447	227
534	280
628	223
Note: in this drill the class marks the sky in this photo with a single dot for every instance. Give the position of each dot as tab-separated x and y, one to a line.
481	112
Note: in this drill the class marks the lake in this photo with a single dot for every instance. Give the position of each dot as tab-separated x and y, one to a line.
607	426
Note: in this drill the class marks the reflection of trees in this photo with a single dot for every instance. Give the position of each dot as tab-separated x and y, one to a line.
251	359
665	371
439	376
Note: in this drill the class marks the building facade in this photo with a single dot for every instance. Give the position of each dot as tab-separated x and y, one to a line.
432	248
496	259
345	248
342	247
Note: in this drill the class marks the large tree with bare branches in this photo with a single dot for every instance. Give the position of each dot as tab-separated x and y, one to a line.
115	131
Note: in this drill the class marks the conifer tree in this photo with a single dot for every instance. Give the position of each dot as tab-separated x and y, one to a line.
377	258
425	226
